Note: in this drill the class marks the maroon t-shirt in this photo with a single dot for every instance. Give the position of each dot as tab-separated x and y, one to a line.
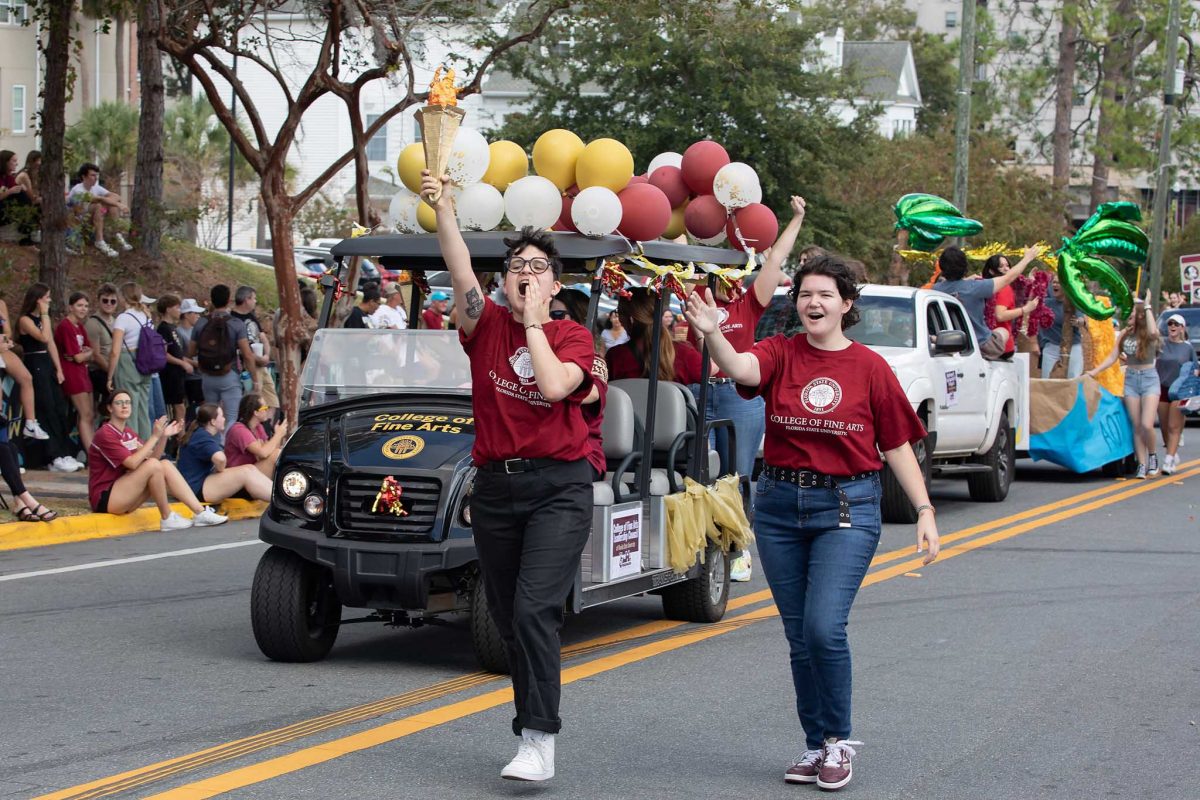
830	411
738	320
240	437
110	447
623	363
512	418
433	320
593	415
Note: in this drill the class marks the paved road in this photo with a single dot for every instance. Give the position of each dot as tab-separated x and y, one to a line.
1054	652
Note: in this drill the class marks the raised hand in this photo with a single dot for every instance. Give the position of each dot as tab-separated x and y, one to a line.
798	207
702	314
430	186
537	305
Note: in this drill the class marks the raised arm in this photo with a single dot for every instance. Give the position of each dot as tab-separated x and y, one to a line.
771	274
702	316
468	295
1031	252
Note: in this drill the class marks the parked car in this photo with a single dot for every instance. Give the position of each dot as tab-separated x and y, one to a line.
305	267
368	271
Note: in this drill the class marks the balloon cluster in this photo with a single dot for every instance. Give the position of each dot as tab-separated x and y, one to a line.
1110	232
592	189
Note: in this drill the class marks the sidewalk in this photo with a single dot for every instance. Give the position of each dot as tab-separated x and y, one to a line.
66	493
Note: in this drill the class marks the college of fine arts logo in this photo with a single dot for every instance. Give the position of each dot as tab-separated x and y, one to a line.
821	395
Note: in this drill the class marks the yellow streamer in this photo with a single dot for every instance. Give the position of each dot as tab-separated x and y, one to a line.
984	252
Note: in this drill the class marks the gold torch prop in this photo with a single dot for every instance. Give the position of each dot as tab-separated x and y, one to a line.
439	123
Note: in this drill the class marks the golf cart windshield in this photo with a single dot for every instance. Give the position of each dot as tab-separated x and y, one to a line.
344	363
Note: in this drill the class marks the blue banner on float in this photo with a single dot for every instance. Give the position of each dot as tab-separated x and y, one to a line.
1081	444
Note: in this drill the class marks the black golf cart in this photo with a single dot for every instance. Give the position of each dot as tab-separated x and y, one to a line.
370	503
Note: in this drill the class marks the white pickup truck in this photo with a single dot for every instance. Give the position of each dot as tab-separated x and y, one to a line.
976	411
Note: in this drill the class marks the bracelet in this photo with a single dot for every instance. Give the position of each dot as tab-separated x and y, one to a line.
924	506
534	325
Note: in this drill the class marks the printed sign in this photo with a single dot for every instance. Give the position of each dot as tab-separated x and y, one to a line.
1189	277
625	538
951	388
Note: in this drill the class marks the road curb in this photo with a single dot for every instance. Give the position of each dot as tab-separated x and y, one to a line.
81	528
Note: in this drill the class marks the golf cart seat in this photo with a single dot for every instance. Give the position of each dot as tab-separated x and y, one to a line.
620	432
671	434
693	407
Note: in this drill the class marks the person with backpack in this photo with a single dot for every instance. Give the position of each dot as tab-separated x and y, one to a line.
137	353
218	341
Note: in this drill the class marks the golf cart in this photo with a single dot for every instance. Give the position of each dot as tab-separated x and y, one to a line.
370	502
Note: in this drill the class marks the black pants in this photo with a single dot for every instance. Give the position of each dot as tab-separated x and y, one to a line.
51	406
10	469
530	529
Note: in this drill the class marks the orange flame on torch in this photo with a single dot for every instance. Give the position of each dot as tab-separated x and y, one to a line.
441	90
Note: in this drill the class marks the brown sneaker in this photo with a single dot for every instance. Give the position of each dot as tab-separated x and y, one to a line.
835	771
804	769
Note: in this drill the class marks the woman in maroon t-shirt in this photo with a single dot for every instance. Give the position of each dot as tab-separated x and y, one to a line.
677	361
832	406
75	353
531	501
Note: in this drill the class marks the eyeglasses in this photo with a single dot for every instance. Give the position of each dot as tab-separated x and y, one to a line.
536	265
121	403
558	313
108	301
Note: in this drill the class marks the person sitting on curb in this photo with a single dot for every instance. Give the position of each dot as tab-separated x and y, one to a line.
89	197
203	465
974	293
25	506
124	471
247	441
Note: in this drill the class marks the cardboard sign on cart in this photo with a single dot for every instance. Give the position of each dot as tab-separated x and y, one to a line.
1189	277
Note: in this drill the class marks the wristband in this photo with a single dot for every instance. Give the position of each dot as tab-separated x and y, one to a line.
534	325
924	506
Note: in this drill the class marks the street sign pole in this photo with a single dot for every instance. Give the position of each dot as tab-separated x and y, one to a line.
1162	187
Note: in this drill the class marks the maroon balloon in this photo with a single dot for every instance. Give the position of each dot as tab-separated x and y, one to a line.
704	217
645	212
670	180
757	225
638	179
701	163
565	223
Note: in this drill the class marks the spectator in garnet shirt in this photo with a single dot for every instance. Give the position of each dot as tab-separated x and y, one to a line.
434	317
75	353
247	441
833	406
677	361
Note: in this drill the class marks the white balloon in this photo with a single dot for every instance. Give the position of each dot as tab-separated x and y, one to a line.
532	200
480	207
402	212
714	241
667	159
596	211
469	157
736	185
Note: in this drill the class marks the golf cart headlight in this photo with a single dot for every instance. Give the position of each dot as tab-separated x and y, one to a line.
294	484
314	504
465	512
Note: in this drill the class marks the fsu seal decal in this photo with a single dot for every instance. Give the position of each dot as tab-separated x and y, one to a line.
522	364
402	447
821	395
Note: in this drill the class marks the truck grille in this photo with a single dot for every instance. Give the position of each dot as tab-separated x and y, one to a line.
356	495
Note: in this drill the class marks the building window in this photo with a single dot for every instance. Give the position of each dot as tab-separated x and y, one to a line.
377	145
13	12
18	109
416	130
951	19
901	128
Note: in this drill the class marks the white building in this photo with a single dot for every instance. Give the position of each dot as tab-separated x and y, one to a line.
889	79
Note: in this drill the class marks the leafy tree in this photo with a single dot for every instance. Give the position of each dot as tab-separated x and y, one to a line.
936	61
324	218
861	20
106	135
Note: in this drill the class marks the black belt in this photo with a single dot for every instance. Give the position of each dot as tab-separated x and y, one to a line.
513	466
720	380
806	479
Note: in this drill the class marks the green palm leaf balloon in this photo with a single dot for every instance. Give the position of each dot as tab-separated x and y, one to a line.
929	219
1109	232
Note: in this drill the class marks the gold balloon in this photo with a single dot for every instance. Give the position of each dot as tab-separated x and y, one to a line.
675	228
426	217
508	163
555	154
604	162
409	165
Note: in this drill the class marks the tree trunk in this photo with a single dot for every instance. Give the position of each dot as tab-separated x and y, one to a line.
1064	94
52	256
277	208
146	207
1114	70
898	269
122	62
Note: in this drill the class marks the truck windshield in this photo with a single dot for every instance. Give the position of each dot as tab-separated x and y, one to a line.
345	363
885	321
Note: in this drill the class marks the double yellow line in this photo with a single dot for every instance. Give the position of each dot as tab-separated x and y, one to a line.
996	530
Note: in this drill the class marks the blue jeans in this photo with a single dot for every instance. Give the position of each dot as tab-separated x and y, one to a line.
158	406
814	569
749	420
226	391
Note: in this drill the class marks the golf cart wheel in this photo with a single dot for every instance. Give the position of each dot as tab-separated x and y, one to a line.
703	598
490	651
294	608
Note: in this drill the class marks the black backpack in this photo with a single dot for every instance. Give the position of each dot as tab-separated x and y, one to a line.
215	346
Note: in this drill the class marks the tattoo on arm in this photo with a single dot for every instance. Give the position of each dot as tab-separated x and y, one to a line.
474	304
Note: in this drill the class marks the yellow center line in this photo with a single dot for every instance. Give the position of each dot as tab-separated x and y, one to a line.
389	732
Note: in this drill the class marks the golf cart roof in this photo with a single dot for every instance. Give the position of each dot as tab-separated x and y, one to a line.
580	254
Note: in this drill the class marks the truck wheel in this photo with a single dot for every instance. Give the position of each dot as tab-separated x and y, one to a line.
703	598
490	651
992	486
294	608
894	504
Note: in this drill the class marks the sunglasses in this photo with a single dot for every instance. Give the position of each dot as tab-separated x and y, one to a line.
536	265
1174	325
108	301
264	408
558	313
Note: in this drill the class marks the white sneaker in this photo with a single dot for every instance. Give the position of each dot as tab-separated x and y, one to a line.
1169	464
103	247
121	243
741	568
207	517
73	463
535	758
33	430
1152	467
61	464
175	522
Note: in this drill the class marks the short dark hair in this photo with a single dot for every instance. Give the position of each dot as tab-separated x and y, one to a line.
106	290
243	294
953	262
76	297
371	293
538	238
85	168
219	295
167	301
835	267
